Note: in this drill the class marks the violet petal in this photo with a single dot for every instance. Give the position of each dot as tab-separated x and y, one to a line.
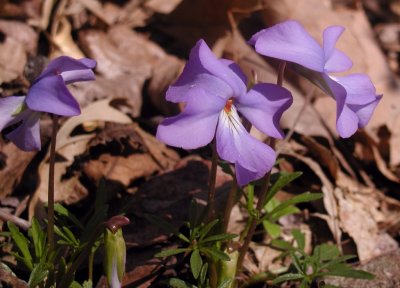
195	126
263	106
335	60
289	41
27	136
252	158
204	70
8	106
64	64
51	95
361	96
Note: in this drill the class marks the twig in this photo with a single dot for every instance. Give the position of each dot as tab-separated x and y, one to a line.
23	224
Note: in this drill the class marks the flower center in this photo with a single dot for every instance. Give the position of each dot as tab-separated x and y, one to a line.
228	106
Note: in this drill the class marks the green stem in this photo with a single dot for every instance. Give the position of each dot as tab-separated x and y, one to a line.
254	220
50	201
264	191
91	259
212	179
230	201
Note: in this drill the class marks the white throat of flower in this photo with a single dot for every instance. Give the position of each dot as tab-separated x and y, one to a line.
230	119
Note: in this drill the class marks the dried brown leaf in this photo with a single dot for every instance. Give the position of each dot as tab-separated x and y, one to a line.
70	189
62	37
14	162
359	216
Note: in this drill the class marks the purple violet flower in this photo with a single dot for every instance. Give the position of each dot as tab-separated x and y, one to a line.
355	94
214	91
48	93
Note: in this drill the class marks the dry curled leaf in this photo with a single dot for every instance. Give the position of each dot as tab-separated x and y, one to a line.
68	188
13	164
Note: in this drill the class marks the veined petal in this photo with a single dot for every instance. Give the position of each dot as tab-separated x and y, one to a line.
8	107
205	71
64	63
77	76
335	60
361	97
346	122
235	68
359	87
27	136
346	119
252	158
209	83
51	95
263	106
195	126
289	41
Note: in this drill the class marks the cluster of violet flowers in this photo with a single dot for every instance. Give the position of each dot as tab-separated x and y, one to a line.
218	104
216	99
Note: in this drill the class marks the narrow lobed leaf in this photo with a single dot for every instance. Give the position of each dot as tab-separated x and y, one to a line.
170	252
196	263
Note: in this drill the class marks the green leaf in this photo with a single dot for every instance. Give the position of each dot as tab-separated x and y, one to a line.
170	252
297	263
283	179
160	222
64	212
65	239
304	284
226	283
304	197
71	236
196	263
282	245
326	252
203	274
38	238
87	284
348	272
287	277
38	274
300	238
206	228
22	243
215	253
177	283
75	284
336	261
274	230
286	211
219	237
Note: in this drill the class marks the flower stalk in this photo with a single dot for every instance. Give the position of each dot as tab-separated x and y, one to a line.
50	196
212	180
264	191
